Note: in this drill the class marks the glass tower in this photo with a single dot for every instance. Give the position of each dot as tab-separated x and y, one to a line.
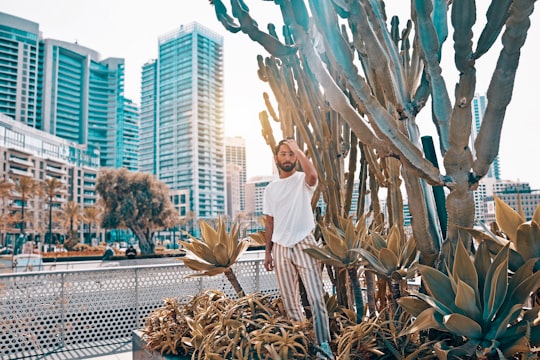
65	89
127	154
83	97
235	153
478	106
19	69
148	116
182	112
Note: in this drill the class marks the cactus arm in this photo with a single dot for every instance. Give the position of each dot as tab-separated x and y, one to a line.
440	11
501	86
460	127
249	26
428	41
424	222
224	18
496	15
382	121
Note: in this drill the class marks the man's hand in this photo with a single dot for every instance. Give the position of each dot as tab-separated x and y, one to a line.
268	261
291	143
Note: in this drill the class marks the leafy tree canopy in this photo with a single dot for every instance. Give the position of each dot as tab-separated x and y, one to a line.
135	200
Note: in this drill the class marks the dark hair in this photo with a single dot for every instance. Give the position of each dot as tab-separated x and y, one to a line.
284	141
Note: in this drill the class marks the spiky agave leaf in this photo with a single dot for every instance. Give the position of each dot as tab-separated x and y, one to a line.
258	237
523	236
325	255
200	249
507	218
209	234
335	243
203	268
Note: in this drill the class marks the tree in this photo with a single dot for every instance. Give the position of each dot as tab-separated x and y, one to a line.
340	109
91	216
6	188
25	189
72	218
136	200
52	188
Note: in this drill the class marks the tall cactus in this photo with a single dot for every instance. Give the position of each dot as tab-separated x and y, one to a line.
335	106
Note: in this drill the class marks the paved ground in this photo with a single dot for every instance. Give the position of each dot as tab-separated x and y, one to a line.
121	351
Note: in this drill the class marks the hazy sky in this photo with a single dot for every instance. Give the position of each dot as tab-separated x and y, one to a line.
129	29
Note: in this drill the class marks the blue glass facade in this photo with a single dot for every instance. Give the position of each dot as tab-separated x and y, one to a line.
83	98
19	68
148	119
67	90
182	103
478	108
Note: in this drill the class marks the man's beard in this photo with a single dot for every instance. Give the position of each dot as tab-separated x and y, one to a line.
287	167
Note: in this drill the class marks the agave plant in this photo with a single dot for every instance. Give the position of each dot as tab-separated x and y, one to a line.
393	345
391	259
339	251
521	235
216	252
478	302
212	326
359	341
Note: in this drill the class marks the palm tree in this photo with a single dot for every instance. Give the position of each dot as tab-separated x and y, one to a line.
26	188
72	216
91	216
52	188
6	188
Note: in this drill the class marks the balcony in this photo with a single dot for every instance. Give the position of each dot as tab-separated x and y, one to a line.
19	172
56	171
19	161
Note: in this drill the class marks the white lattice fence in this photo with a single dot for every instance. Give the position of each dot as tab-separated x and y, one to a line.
44	312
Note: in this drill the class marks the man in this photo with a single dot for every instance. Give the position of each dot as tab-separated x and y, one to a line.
131	252
108	254
289	225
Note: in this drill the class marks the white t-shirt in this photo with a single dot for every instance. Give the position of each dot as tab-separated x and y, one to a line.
288	201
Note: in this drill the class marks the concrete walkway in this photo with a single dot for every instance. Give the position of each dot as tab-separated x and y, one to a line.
121	351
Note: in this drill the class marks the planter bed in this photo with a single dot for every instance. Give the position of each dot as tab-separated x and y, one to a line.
141	353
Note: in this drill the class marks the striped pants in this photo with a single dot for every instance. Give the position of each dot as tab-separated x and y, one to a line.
291	262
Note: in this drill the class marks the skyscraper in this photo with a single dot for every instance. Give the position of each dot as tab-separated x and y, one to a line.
64	89
182	125
83	97
235	154
127	154
19	56
148	119
478	106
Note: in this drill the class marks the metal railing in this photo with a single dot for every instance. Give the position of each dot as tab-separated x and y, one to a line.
47	312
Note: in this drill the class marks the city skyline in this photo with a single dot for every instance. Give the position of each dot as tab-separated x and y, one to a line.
130	30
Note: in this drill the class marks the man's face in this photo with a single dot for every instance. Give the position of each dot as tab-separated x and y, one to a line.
285	159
